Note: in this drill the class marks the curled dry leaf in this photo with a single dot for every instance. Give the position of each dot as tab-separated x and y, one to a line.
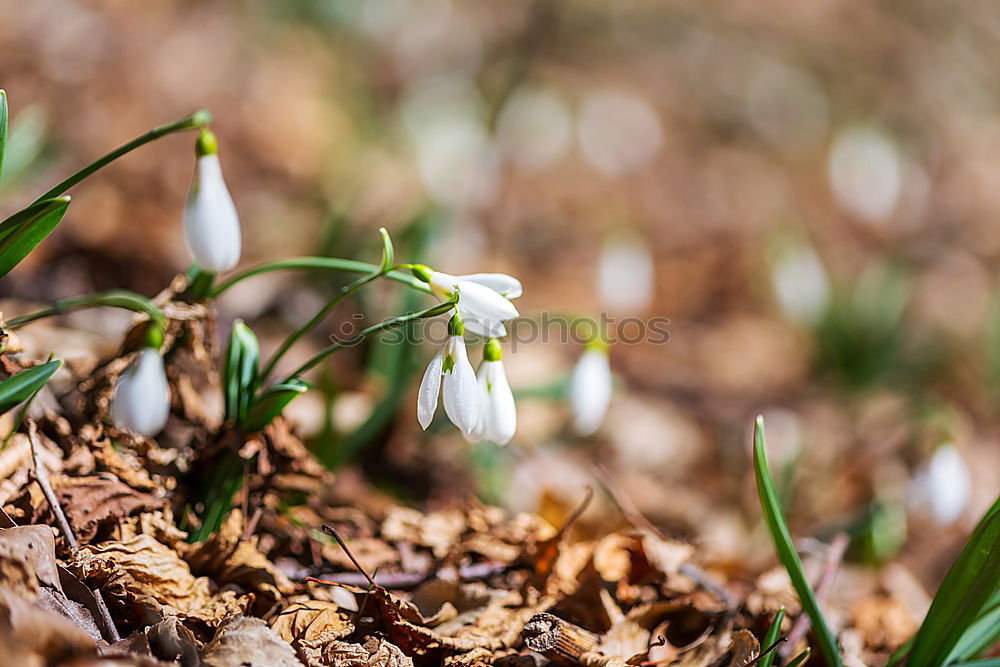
375	652
248	642
153	581
439	531
311	624
48	636
171	640
744	648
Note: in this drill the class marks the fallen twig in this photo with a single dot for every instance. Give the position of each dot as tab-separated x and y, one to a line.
42	478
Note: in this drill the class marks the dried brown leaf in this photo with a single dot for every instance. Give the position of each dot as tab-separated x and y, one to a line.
375	652
248	642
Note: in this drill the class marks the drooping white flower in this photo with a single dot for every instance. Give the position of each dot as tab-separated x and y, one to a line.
483	301
497	412
590	389
450	373
626	276
943	486
211	224
142	399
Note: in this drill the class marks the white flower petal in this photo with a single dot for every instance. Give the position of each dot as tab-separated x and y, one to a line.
211	224
486	329
460	393
142	397
590	390
943	486
499	414
501	283
430	387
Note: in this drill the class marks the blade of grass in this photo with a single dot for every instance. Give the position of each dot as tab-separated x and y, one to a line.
800	658
21	232
786	549
772	636
971	582
22	386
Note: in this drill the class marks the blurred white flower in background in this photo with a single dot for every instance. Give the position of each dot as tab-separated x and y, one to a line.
801	283
625	275
456	158
943	486
535	128
618	132
865	169
786	106
590	389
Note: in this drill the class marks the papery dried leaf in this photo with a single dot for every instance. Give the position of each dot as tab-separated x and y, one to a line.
314	621
28	549
248	642
155	581
438	531
375	652
50	635
744	648
171	640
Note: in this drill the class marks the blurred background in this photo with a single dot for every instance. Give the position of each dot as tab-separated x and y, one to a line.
808	192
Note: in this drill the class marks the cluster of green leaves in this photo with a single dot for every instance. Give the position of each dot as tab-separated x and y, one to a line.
964	618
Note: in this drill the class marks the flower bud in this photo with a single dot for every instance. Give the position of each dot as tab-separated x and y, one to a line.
142	398
211	224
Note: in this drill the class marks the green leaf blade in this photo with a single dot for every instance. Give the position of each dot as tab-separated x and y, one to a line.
965	593
23	231
272	402
785	548
239	373
20	387
772	636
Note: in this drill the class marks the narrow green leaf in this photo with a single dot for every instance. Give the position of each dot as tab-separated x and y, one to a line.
800	658
222	483
772	636
3	126
988	662
21	232
239	374
20	387
271	402
786	549
981	635
388	254
971	582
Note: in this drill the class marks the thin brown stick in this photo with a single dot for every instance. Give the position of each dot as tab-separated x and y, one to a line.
42	478
634	516
834	556
330	530
770	648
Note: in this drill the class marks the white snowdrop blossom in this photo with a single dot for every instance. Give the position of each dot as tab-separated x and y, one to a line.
590	389
497	412
142	399
626	276
211	224
483	298
943	486
801	284
451	374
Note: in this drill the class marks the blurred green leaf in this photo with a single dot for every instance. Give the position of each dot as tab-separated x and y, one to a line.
800	658
786	549
772	636
3	126
239	373
21	232
224	480
982	634
968	587
20	387
271	402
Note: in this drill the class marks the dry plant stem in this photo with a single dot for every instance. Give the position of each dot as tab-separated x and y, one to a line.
330	530
404	580
766	651
834	556
43	481
639	520
556	639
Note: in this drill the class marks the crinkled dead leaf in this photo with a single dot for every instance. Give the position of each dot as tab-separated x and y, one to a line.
744	648
31	550
375	652
154	581
248	642
306	625
439	531
171	640
48	635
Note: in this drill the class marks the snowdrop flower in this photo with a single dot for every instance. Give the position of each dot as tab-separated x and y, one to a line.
590	388
450	373
483	298
943	486
497	412
142	399
211	225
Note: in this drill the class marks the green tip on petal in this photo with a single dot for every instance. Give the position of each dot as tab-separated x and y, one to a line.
153	337
492	351
207	144
456	325
201	118
422	271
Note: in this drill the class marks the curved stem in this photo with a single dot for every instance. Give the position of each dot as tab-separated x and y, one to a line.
375	328
115	298
324	263
314	322
192	122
